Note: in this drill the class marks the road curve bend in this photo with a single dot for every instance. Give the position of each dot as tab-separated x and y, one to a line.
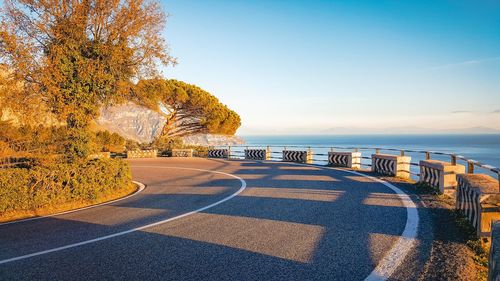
201	219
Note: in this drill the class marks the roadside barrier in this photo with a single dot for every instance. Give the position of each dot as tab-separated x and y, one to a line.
297	156
258	154
345	159
182	152
392	165
478	198
218	153
151	153
9	162
439	174
100	155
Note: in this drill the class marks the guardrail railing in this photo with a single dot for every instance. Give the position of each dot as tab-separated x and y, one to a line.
320	156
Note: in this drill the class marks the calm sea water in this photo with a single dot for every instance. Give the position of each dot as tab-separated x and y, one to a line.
483	148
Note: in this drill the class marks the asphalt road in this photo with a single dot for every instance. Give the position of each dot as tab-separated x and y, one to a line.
290	222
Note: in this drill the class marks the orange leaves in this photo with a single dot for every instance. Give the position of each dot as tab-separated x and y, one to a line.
81	54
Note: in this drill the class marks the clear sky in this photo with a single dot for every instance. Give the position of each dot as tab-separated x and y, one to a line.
309	66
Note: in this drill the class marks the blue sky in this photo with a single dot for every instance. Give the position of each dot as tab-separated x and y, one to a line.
292	67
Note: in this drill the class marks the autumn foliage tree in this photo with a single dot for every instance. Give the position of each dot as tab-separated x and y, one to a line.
74	56
187	108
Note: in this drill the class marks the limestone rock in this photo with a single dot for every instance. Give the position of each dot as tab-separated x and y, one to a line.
132	121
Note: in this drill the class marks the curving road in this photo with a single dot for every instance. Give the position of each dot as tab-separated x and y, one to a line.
249	220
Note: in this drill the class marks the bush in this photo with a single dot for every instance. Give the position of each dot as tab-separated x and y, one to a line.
165	144
132	145
89	181
112	142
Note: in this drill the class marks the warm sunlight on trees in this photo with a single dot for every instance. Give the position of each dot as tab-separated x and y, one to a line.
188	108
73	57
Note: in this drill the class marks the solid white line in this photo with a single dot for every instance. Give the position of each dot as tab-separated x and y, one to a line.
243	186
141	188
406	241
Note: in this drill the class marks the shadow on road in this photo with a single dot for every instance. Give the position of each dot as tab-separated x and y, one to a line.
291	223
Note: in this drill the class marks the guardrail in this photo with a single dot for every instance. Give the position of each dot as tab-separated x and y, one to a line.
320	156
9	162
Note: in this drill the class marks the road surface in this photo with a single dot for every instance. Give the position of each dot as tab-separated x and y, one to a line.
248	220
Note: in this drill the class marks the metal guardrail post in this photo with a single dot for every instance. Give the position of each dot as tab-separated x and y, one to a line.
356	150
427	155
228	152
402	153
377	150
470	167
453	159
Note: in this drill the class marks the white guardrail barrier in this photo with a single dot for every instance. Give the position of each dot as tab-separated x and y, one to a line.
435	164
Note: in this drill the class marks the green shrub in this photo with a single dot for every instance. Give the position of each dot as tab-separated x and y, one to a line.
23	189
106	141
165	145
132	145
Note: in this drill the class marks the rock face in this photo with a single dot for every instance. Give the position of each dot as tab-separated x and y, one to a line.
209	139
132	121
141	124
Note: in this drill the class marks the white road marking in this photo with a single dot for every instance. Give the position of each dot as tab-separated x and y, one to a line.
141	188
405	243
243	186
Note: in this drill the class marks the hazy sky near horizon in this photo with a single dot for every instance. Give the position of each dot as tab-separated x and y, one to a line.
289	65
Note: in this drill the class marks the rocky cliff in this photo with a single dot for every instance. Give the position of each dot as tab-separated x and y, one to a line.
132	121
144	125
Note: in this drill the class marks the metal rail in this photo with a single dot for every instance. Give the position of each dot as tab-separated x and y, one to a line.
470	163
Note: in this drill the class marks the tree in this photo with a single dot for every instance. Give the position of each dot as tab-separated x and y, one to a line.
74	56
187	108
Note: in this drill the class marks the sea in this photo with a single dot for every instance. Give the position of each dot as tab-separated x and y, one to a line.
482	148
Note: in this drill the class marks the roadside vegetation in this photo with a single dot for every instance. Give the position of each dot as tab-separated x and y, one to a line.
61	62
45	188
37	178
165	145
458	237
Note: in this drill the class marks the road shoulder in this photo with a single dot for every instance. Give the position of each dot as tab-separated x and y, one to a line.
445	251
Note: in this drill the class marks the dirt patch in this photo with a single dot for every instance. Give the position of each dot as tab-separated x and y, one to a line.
456	252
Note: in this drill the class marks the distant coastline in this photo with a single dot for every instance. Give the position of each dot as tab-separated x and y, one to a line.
372	131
